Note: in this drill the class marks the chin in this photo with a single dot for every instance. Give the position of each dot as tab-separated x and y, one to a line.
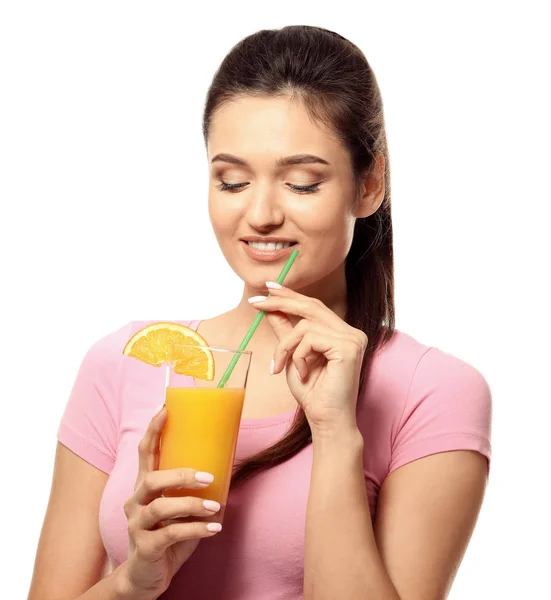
255	276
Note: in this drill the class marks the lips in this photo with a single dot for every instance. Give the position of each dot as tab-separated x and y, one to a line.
269	249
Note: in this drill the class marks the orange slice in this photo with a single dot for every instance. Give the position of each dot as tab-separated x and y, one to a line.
152	345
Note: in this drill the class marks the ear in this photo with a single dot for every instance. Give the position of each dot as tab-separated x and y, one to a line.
372	189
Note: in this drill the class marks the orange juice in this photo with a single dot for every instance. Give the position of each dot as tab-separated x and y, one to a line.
201	433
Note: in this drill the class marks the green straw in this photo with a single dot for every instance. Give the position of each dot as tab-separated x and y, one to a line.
255	324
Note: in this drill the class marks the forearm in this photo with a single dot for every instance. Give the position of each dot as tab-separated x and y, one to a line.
113	587
341	556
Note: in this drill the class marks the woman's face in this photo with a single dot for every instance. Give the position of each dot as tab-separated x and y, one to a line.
274	203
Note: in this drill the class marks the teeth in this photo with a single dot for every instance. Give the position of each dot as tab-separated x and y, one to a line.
270	245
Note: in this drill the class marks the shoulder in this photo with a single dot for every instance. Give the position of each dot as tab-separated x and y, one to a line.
409	365
447	389
401	349
414	386
419	400
391	369
430	369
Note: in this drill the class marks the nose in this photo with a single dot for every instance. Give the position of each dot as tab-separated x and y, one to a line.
264	212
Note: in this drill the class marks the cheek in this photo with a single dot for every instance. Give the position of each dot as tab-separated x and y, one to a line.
221	218
330	228
329	239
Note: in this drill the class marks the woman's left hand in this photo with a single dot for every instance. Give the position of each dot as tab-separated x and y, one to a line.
321	353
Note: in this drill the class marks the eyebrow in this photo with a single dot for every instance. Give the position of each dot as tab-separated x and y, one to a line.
297	159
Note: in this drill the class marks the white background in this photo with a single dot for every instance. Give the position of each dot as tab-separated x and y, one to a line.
103	188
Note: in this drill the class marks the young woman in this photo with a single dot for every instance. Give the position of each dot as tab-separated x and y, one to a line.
363	454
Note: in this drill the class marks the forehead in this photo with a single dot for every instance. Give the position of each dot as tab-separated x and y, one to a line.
270	126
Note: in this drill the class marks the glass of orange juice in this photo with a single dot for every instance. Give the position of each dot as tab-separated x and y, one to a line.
203	421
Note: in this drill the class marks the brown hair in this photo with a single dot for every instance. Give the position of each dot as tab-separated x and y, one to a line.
338	87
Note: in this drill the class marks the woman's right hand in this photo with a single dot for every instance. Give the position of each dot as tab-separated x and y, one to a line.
162	533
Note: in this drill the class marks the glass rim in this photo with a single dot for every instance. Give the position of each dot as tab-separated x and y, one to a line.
215	348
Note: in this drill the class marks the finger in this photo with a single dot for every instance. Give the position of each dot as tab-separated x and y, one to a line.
163	509
333	320
293	303
153	544
287	345
155	482
313	344
148	448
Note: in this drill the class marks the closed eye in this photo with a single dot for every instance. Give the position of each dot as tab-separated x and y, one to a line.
301	189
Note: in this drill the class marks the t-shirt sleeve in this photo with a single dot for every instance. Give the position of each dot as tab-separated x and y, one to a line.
89	425
448	407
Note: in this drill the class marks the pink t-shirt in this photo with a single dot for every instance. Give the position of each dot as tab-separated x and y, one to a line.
418	401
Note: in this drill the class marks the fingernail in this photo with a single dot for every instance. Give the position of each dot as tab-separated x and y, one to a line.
255	299
273	285
202	477
159	409
214	527
211	505
298	374
272	365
